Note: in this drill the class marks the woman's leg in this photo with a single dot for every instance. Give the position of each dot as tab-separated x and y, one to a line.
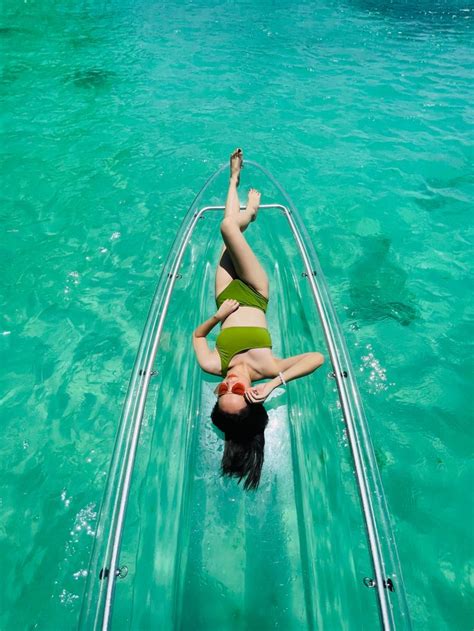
225	272
245	262
237	260
232	204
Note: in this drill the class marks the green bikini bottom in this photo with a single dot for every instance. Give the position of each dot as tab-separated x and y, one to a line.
235	339
244	294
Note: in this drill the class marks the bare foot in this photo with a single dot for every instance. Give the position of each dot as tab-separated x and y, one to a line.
253	202
250	213
236	161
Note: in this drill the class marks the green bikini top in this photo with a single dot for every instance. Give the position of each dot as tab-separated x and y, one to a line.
235	339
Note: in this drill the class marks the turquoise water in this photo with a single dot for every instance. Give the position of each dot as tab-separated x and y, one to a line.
113	116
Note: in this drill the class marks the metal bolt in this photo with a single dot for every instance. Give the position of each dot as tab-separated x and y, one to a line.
121	572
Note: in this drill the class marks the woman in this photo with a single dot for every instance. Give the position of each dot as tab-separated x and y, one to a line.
243	352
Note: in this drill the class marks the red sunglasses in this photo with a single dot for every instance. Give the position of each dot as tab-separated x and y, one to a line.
237	388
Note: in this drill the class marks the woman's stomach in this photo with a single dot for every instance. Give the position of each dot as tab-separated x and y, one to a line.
246	316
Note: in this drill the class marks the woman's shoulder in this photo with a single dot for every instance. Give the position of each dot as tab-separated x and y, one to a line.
273	365
264	364
212	364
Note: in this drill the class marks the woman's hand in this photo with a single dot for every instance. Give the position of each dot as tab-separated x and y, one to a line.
258	394
226	308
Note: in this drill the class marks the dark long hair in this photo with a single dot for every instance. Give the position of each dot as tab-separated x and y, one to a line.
244	442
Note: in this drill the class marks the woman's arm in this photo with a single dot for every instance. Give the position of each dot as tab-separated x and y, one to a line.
290	368
208	359
203	330
297	366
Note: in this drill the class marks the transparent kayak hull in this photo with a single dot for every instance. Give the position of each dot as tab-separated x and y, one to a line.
178	546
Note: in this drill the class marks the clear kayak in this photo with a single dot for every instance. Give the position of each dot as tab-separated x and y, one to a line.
180	547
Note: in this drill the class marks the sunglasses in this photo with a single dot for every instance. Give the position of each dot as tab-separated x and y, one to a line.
236	388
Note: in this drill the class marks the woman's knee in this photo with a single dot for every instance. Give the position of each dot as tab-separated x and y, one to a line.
229	225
